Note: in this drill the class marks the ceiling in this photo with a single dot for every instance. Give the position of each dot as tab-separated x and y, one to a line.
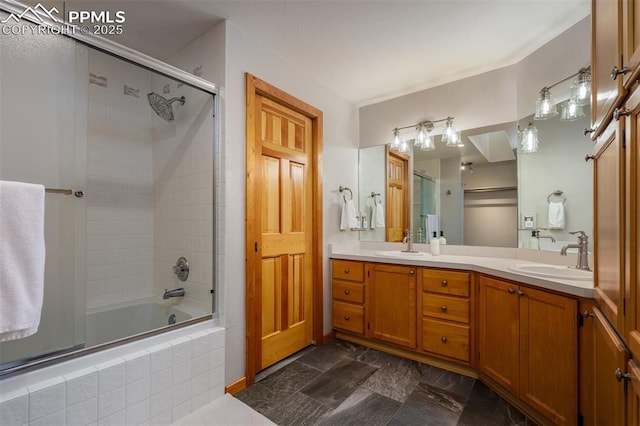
364	51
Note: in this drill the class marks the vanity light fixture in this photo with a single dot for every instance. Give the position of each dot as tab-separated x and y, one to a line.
580	95
529	139
423	138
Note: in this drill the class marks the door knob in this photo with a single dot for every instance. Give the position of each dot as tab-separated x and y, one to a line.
411	272
511	291
346	270
347	292
346	318
620	376
444	339
521	293
444	283
443	308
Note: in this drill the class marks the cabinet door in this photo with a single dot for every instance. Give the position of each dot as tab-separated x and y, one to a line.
499	332
548	354
391	305
631	39
610	355
608	218
606	16
633	396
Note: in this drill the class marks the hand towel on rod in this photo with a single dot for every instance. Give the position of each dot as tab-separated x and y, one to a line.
556	215
377	214
22	257
432	225
348	218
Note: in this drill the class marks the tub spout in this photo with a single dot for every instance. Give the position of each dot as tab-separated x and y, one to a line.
178	292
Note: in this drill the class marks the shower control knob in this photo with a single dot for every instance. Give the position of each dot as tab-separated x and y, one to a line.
181	269
79	194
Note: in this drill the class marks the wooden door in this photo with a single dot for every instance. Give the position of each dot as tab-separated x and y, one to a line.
610	355
283	226
397	196
499	332
284	204
391	304
609	236
606	17
633	393
549	355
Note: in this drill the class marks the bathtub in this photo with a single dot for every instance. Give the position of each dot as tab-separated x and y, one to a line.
106	324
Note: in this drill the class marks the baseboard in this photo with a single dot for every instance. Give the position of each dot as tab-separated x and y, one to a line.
237	386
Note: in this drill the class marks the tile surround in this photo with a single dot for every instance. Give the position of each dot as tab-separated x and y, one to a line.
144	386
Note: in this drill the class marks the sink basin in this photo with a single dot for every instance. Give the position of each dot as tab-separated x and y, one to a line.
553	271
404	255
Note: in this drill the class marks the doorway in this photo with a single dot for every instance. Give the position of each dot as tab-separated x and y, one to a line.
283	225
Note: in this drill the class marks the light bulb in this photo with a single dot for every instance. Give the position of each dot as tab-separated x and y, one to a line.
571	110
545	105
427	144
581	87
529	143
395	142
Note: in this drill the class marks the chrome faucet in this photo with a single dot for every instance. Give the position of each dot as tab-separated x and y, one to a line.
583	250
178	292
539	237
408	241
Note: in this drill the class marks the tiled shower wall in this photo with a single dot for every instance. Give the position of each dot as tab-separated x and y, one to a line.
183	193
119	190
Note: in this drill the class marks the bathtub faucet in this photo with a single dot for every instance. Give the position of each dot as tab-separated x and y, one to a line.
178	292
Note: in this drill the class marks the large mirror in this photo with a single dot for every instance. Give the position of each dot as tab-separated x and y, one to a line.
487	193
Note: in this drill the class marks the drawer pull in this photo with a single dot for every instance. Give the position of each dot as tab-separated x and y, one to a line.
511	291
346	270
443	308
444	339
347	292
444	283
346	318
521	293
411	272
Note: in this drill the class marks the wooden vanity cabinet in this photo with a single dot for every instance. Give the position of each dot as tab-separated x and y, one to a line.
391	304
528	342
348	293
444	327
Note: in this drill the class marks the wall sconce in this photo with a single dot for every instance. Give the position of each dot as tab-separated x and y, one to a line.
572	110
528	139
423	138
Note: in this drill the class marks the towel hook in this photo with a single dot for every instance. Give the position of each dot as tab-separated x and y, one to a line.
344	188
556	193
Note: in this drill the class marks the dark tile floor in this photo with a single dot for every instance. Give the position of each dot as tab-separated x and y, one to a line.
341	383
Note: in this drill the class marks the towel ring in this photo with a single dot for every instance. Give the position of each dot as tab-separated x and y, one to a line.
557	193
344	188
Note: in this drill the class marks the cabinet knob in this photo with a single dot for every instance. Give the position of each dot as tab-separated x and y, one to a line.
615	72
620	112
347	292
444	339
346	270
588	130
346	318
411	272
511	291
620	376
443	308
589	157
444	283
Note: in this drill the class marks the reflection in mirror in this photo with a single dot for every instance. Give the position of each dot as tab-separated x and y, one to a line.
557	165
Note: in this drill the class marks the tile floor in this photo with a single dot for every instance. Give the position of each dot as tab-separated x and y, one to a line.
341	383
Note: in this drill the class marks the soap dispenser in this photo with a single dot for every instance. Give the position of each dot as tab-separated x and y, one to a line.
534	242
442	239
434	244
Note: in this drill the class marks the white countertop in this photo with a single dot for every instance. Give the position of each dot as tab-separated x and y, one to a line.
487	260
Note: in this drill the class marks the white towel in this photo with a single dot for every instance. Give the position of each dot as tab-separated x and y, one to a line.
349	218
22	256
377	214
432	225
556	215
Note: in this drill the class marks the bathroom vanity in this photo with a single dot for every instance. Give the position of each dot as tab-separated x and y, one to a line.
476	315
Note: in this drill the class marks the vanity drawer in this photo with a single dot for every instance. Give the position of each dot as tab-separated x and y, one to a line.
446	307
347	270
349	292
452	283
348	317
442	338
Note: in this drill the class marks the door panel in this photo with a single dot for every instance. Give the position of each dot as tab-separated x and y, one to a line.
284	202
610	354
397	195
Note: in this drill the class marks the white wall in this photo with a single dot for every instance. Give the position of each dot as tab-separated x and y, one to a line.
340	167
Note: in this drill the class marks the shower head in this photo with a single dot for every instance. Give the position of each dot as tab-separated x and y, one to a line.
162	106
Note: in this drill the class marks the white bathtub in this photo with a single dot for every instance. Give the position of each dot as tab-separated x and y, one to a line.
111	323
